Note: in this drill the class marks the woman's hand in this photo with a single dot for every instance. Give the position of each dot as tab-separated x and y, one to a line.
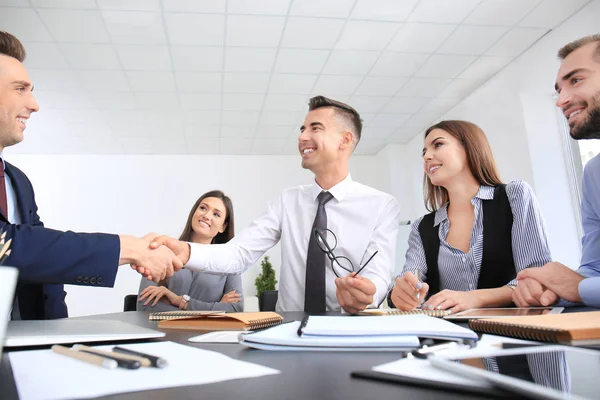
158	293
408	292
231	297
453	300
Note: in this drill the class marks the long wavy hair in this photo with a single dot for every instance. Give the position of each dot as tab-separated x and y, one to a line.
222	237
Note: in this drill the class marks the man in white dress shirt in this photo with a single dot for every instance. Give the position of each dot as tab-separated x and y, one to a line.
362	219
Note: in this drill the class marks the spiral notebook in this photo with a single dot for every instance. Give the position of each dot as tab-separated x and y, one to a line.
243	321
159	316
431	313
579	329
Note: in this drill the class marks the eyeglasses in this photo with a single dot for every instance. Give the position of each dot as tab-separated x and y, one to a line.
341	266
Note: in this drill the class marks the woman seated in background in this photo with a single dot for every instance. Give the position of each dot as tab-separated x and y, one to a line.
210	222
480	233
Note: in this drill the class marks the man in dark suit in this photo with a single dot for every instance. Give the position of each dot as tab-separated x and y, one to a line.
47	258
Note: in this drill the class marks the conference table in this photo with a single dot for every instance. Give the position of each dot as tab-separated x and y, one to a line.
304	375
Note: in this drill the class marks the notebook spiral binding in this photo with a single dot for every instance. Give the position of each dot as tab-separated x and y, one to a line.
265	323
165	315
526	332
431	313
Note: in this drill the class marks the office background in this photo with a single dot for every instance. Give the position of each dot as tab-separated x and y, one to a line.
129	151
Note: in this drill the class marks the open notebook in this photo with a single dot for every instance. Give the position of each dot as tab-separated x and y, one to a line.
242	321
582	328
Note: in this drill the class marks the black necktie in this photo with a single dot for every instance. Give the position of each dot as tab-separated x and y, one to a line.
3	201
314	291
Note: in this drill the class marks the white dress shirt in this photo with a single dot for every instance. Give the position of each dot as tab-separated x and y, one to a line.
363	219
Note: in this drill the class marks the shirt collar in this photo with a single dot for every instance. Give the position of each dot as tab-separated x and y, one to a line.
2	157
339	191
484	193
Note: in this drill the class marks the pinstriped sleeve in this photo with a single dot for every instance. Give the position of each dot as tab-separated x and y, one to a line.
415	255
529	241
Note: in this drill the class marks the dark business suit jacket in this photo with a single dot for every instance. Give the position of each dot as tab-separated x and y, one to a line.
47	258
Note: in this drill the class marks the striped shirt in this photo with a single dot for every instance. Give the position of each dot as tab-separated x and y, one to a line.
460	271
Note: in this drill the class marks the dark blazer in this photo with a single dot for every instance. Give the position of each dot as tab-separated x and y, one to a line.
47	258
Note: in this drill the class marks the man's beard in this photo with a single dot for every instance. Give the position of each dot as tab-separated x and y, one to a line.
590	128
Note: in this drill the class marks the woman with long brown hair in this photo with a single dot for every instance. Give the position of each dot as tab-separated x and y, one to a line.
210	221
480	232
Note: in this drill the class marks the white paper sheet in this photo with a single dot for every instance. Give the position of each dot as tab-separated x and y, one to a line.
45	375
217	337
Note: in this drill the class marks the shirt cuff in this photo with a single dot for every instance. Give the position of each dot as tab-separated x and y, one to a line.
195	261
589	291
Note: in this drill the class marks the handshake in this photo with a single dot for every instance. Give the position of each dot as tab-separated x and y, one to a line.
155	257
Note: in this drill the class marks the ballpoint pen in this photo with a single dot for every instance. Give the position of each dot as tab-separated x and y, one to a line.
154	360
86	357
123	362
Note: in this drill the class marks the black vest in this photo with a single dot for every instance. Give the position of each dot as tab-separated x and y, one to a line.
497	264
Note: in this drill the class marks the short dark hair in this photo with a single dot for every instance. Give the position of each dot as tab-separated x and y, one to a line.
349	114
575	44
220	238
11	46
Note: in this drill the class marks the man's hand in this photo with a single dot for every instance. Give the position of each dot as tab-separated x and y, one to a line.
157	293
180	248
155	264
453	300
408	292
558	280
354	293
529	292
231	297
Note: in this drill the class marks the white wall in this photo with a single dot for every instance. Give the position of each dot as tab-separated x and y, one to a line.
516	110
140	194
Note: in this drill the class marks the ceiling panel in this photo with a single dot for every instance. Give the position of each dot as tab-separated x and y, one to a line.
311	33
383	10
319	8
135	27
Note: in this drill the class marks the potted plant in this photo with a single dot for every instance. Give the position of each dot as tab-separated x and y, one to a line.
265	286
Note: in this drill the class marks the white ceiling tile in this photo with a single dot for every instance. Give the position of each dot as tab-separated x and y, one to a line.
235	146
46	79
91	56
444	66
500	12
104	80
24	24
389	120
461	87
285	102
485	67
157	101
200	82
196	6
380	86
370	132
404	134
161	123
443	11
319	8
275	131
288	118
383	10
268	146
516	41
44	55
125	123
398	64
368	104
291	146
170	145
337	84
152	81
258	31
195	29
264	7
203	118
136	145
200	101
472	39
114	100
405	105
135	27
245	83
550	13
81	26
350	62
420	121
144	58
15	3
131	5
240	59
201	131
292	83
367	117
311	33
238	131
242	102
370	147
193	58
423	87
300	61
80	4
420	37
202	146
440	105
366	35
239	118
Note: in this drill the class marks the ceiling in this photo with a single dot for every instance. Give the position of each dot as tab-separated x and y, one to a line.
234	76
